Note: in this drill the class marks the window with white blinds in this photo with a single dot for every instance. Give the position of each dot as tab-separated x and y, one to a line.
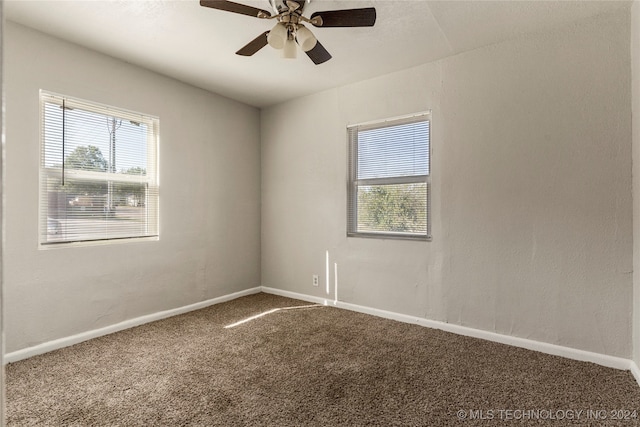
389	178
98	172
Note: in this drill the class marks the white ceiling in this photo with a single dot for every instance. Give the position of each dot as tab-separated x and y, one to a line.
197	45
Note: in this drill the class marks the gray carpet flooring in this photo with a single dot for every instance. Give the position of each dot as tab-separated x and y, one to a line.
317	366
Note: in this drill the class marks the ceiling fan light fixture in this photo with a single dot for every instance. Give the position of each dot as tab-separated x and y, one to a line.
306	39
278	36
290	49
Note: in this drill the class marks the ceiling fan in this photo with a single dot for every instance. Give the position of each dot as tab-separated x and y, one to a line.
290	28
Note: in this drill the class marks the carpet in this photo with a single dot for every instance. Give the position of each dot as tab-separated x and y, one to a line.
310	366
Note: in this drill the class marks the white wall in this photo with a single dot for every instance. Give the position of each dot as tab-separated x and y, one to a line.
2	388
209	198
635	82
532	210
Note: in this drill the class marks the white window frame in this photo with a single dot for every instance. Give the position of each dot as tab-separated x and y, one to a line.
152	174
354	183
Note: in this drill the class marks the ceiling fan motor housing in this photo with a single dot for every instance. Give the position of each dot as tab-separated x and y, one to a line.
280	6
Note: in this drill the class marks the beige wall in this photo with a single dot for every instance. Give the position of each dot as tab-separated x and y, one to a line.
2	388
532	208
209	198
635	82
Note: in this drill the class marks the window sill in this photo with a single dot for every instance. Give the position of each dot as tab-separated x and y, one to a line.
105	242
391	236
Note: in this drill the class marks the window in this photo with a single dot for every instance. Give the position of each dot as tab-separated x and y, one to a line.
389	182
98	172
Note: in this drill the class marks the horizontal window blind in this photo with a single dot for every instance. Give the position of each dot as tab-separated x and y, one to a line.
389	178
98	172
393	151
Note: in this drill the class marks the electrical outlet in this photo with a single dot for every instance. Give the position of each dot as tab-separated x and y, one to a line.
316	280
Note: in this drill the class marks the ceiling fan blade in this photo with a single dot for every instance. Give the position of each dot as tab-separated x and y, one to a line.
254	45
318	54
346	18
230	6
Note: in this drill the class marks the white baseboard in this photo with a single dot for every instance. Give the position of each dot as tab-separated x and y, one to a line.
556	350
84	336
633	367
295	295
553	349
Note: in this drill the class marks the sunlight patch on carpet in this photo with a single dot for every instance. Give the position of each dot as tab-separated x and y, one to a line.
264	313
